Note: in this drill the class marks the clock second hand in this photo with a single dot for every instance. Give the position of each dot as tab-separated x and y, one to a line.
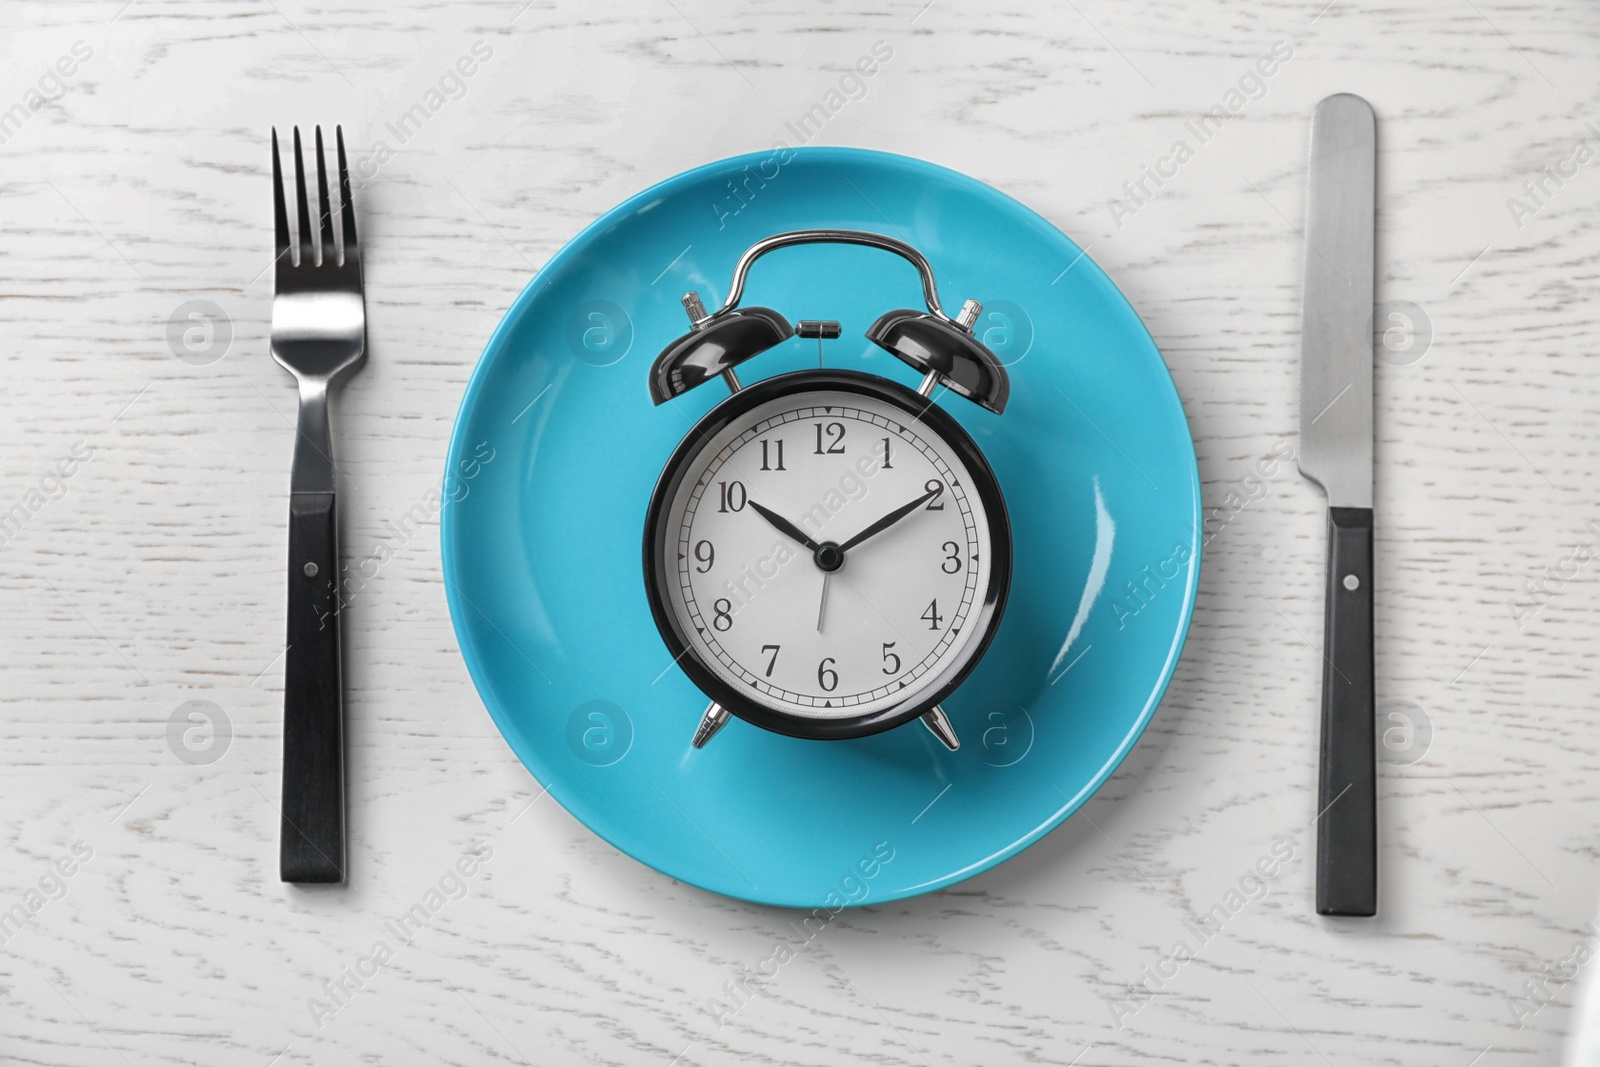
876	528
830	557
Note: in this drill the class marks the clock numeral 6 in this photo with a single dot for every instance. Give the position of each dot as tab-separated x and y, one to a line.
889	668
936	487
722	618
828	679
706	554
733	496
835	444
773	662
952	559
931	614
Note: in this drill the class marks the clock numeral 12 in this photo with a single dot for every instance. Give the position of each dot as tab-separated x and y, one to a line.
931	613
835	444
777	453
733	496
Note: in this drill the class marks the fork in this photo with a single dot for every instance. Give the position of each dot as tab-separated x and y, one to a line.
319	334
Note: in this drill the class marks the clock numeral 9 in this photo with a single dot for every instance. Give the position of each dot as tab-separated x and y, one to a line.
931	614
733	496
768	454
936	487
952	560
828	679
835	445
723	617
706	554
887	656
773	662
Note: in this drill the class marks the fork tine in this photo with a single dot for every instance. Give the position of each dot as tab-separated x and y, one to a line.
347	207
280	215
324	208
300	202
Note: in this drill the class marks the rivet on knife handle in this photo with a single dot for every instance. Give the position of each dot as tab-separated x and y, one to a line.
1336	437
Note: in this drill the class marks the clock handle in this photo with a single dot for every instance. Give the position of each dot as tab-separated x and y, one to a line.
930	289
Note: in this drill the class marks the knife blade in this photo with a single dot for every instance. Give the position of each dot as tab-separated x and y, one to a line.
1336	438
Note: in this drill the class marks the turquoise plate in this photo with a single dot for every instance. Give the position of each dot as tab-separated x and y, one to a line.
556	449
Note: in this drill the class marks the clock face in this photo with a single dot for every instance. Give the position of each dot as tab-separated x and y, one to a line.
830	553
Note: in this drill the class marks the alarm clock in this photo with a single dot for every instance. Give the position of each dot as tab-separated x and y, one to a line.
827	552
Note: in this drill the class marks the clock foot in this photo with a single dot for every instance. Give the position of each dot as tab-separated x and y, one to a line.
715	718
939	724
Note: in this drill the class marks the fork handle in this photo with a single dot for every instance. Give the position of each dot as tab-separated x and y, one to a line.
311	840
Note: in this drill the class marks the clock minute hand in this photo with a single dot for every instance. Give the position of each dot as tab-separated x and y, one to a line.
888	520
784	526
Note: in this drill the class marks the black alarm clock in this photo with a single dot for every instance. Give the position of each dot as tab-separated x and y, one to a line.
827	553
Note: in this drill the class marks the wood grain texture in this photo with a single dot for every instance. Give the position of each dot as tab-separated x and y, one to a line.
154	576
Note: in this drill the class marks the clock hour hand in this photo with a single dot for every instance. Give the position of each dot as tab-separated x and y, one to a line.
784	526
888	520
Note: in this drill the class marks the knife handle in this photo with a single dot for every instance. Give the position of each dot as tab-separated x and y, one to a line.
311	839
1347	833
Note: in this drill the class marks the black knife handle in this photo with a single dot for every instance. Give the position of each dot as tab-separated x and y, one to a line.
1347	797
311	840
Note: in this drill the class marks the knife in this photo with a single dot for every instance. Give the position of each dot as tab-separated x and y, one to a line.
1336	453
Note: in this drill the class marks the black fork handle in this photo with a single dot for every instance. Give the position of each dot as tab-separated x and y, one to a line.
311	842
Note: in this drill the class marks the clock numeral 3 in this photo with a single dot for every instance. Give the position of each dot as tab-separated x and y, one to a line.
723	617
706	554
769	454
887	656
828	679
733	496
835	445
773	662
952	559
936	487
931	614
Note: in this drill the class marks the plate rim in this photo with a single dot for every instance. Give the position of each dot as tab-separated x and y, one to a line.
497	343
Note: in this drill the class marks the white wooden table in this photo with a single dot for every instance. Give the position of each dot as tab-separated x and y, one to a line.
151	575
